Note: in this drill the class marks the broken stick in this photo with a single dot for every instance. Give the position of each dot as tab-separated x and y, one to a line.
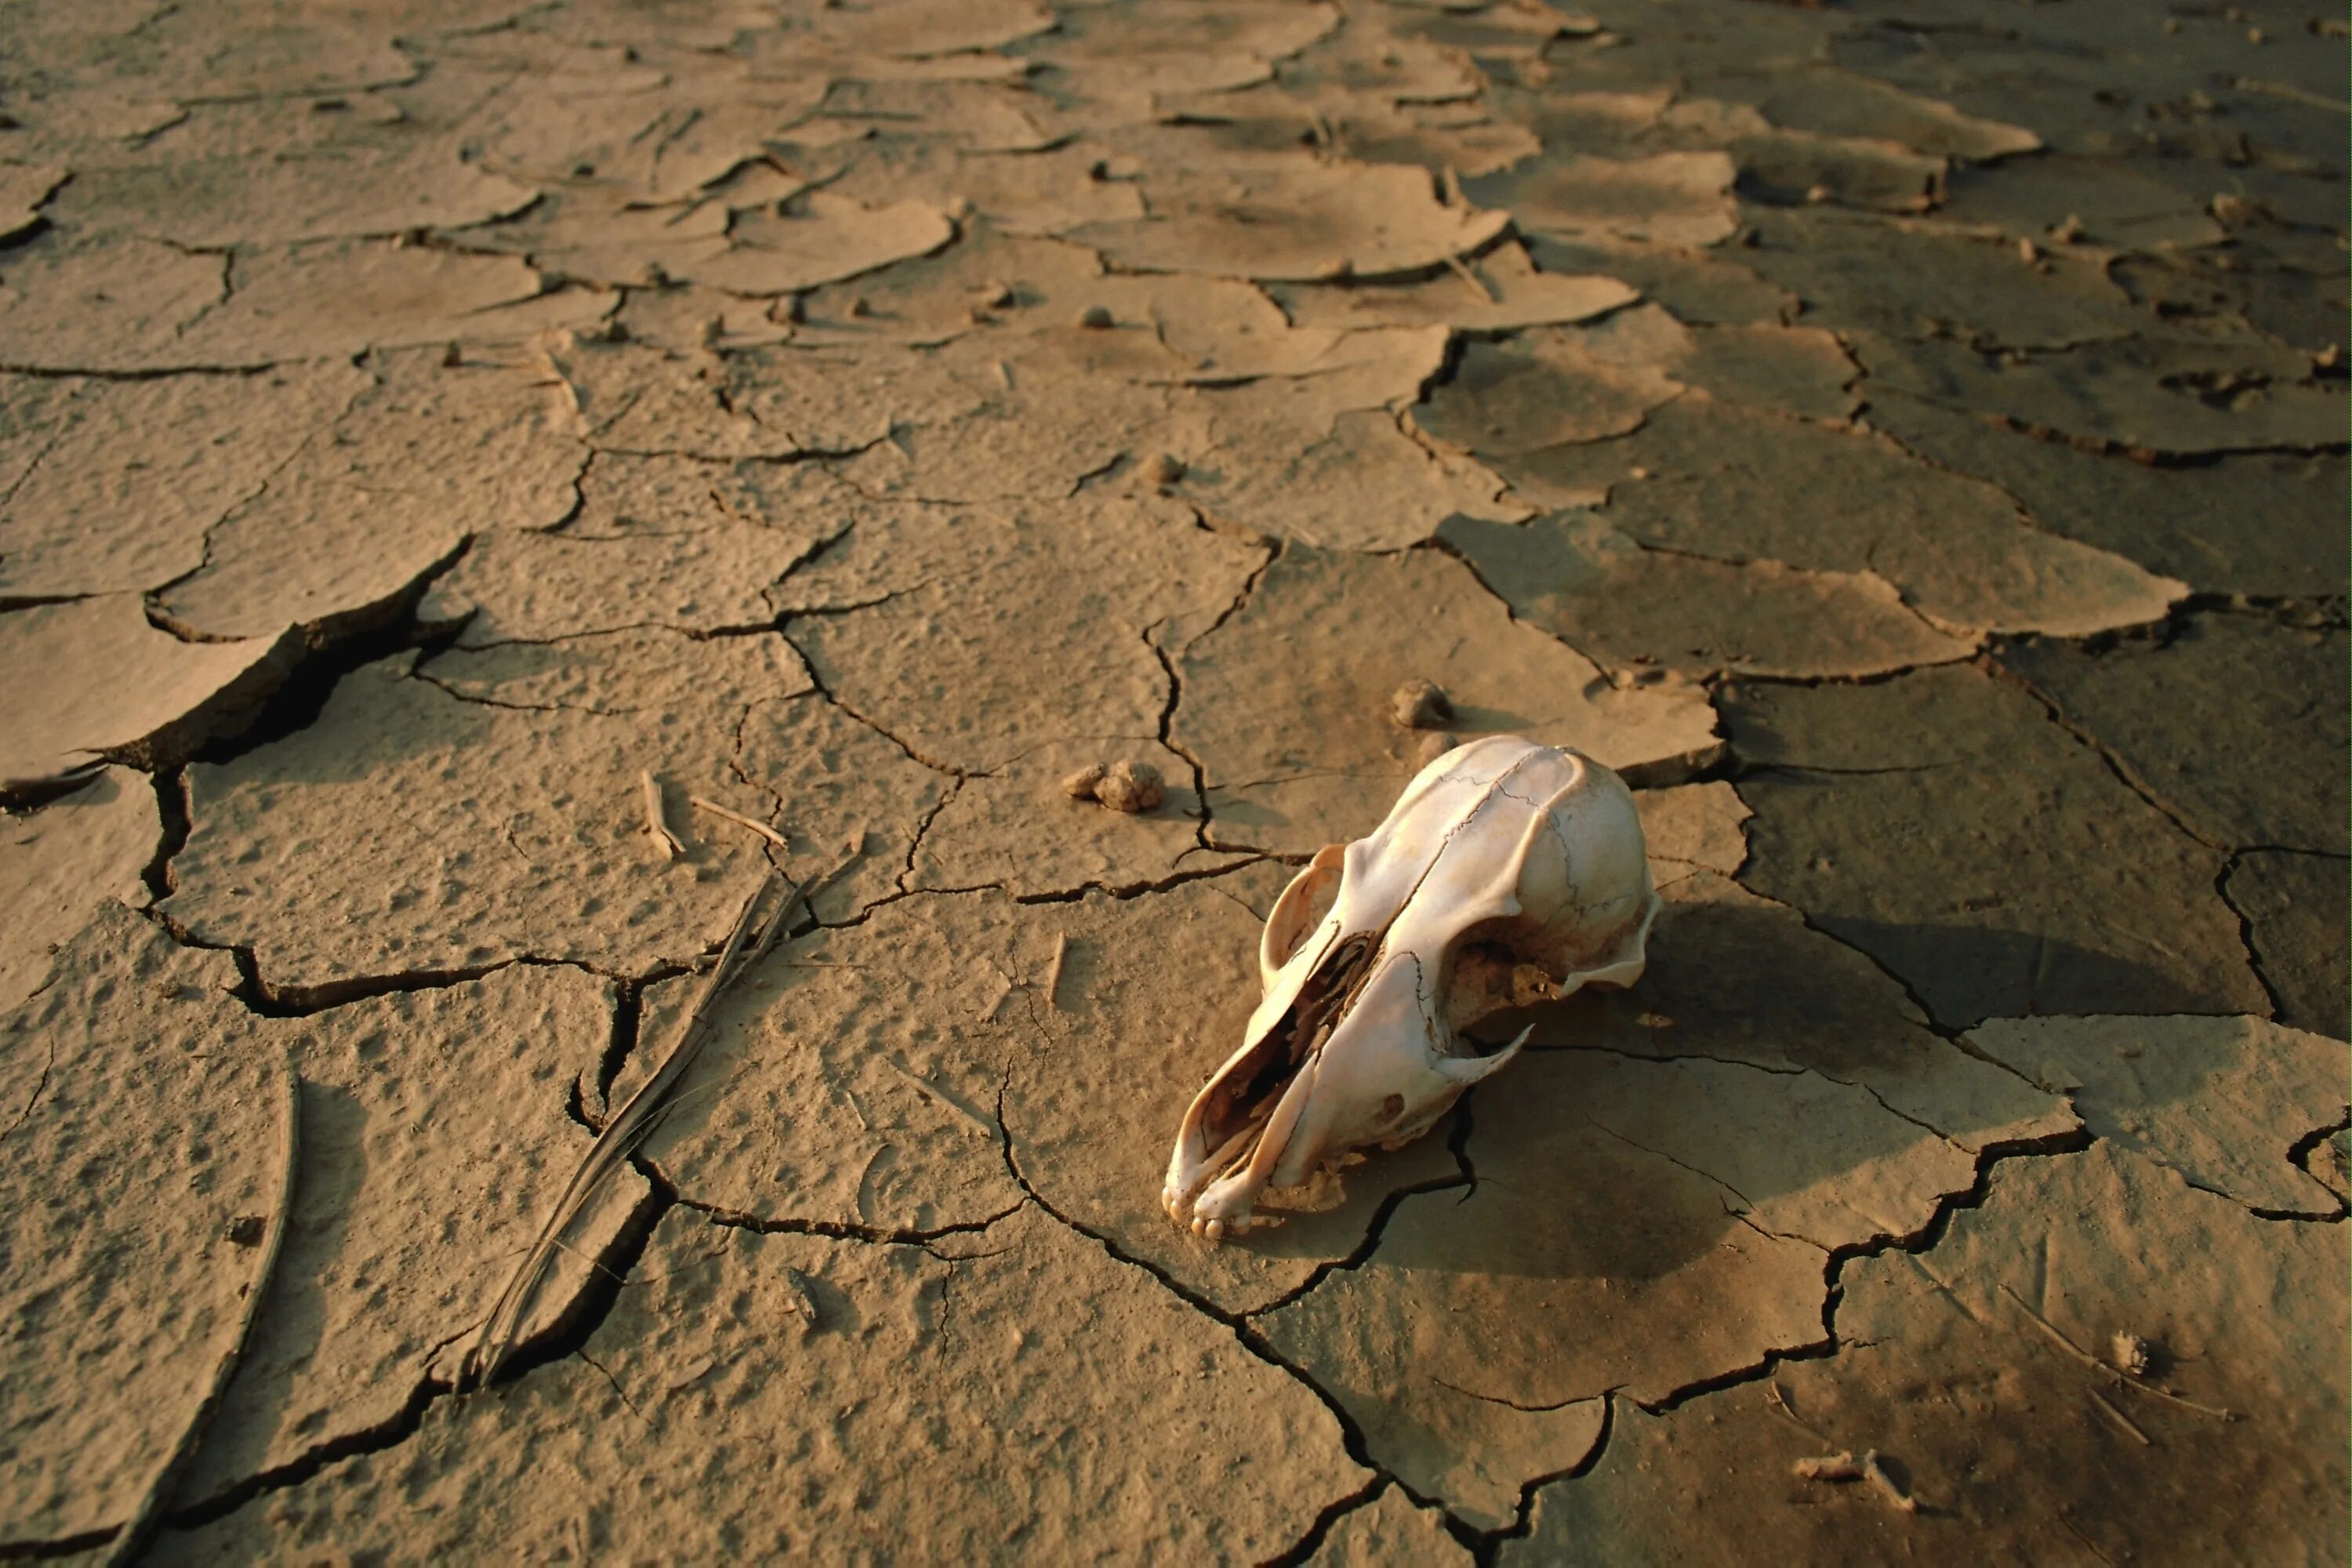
130	1541
737	818
657	825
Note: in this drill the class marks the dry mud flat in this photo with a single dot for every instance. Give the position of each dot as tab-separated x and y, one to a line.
1909	441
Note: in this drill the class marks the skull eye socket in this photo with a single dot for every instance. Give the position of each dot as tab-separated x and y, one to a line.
1302	908
1390	1109
1484	977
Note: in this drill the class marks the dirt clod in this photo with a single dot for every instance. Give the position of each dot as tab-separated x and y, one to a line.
1130	787
1419	704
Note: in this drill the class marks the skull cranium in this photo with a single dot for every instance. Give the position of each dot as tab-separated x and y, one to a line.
1507	873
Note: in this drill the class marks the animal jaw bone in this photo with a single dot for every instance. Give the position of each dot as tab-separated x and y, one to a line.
1507	873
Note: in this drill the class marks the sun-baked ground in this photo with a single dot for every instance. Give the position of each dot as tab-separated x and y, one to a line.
1905	437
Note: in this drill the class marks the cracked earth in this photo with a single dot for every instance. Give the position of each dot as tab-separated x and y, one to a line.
1907	441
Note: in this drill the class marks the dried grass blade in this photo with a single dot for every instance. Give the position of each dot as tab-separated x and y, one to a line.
624	1131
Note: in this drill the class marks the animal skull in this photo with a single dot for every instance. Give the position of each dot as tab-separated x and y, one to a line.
1507	873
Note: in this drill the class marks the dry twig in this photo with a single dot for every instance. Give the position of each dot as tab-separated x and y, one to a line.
132	1541
737	818
1462	270
2095	1365
2122	1420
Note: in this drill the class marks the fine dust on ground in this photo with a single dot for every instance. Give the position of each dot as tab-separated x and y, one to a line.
1906	438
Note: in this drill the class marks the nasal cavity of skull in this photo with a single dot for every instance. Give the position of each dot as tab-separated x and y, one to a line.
1487	978
1248	1096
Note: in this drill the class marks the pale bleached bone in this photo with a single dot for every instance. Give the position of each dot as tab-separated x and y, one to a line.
1508	873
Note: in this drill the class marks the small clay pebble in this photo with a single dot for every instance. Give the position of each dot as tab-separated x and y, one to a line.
1163	470
246	1230
1130	787
1420	705
1096	316
2131	1354
1431	747
1080	785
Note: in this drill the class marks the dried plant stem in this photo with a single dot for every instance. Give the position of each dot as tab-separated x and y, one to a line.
132	1541
737	818
626	1128
657	825
1462	270
2095	1365
2122	1420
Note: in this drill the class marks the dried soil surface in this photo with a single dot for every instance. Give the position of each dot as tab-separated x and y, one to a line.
1905	437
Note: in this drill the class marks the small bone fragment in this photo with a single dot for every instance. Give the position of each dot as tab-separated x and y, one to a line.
1848	1467
737	818
1420	705
1003	989
130	1541
1081	785
1830	1468
1053	970
803	1301
657	825
2131	1354
1130	787
1875	1474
